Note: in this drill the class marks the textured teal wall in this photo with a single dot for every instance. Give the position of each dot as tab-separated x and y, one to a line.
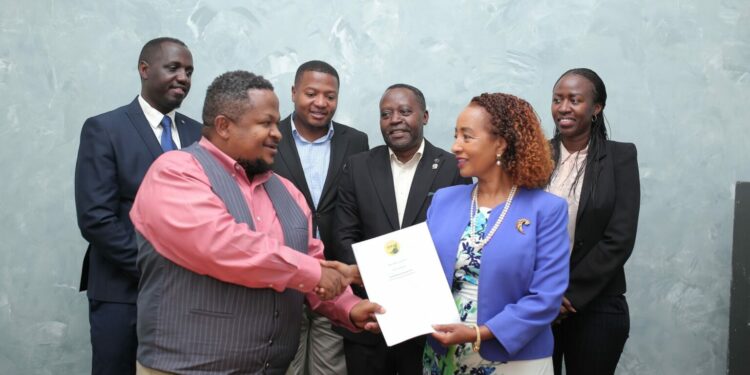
677	72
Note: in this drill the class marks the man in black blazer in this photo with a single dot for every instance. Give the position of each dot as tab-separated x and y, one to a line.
383	190
116	149
311	152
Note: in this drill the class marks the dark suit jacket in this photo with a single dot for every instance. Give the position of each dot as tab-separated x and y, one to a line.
115	151
367	203
344	143
606	224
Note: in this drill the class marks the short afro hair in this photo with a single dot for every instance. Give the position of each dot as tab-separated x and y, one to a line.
154	45
316	66
417	93
227	94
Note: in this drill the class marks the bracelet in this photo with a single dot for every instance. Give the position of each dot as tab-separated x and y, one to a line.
475	346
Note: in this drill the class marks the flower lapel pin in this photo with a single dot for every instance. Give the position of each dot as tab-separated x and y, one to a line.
522	223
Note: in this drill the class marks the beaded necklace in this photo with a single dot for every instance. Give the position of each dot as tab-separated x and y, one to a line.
474	238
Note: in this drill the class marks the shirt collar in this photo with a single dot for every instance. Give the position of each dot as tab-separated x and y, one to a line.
153	116
417	155
300	138
231	165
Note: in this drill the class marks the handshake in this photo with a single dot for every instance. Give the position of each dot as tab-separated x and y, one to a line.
335	277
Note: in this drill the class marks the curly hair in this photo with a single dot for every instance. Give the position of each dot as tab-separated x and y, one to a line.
527	158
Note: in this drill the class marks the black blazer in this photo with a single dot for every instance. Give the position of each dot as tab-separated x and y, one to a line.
115	151
345	142
606	224
367	203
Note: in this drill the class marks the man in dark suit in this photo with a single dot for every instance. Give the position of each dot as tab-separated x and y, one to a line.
383	190
116	150
312	150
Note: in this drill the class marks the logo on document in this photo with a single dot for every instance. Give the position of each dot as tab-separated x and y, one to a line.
391	247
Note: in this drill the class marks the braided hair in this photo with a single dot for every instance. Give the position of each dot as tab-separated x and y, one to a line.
598	135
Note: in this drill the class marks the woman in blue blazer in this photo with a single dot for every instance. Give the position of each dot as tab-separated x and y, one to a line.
512	230
599	179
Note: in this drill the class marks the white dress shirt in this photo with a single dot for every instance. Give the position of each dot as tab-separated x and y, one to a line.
154	117
403	175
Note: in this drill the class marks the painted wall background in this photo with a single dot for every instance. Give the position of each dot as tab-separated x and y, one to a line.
677	72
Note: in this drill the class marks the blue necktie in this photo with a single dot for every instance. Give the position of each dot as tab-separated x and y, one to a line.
167	144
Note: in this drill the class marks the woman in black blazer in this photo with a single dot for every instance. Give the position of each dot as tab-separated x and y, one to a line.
599	179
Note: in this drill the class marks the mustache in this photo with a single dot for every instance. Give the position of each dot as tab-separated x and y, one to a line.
402	128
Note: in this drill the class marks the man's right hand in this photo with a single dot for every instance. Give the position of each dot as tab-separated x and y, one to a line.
331	284
350	271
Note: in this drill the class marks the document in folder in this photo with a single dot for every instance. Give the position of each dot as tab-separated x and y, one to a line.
401	272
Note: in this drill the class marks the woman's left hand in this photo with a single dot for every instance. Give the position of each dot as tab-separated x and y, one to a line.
451	334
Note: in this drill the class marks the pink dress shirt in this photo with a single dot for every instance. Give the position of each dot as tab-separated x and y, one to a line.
176	210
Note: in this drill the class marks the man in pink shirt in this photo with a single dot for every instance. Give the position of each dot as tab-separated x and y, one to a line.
226	251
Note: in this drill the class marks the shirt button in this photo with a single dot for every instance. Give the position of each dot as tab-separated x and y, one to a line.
268	365
276	314
270	342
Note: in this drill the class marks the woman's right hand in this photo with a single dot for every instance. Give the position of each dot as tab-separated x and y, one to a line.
565	310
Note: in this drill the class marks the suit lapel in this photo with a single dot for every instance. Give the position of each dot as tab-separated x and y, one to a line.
139	122
593	170
290	157
382	180
420	186
339	146
182	129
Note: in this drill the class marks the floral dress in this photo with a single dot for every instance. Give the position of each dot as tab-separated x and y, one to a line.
461	359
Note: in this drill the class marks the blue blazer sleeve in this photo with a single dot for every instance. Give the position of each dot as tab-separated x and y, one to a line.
520	322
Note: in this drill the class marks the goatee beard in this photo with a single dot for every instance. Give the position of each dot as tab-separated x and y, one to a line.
254	167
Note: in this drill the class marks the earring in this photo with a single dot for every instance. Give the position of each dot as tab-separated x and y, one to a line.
593	119
498	160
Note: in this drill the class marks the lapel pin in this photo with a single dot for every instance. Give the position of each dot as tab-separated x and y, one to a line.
435	163
521	223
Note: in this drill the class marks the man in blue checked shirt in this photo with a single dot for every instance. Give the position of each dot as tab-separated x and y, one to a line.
311	153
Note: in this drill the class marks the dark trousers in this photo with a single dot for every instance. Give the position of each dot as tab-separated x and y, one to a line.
403	359
591	341
113	337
